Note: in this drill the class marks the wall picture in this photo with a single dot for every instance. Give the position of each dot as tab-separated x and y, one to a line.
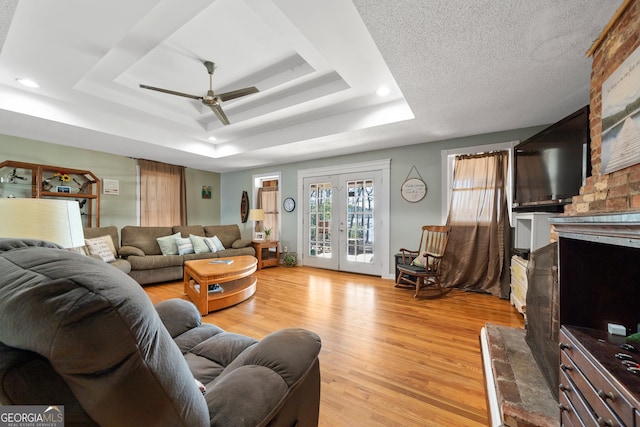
206	191
621	116
110	186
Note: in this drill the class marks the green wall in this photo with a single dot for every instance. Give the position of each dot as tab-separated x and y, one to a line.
118	210
224	206
406	218
202	211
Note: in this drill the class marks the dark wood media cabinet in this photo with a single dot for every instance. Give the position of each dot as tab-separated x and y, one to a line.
599	267
594	385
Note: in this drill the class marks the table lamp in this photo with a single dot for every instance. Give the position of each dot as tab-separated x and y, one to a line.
54	220
256	215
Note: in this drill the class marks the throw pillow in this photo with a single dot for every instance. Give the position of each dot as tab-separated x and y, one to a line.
107	238
218	243
184	246
168	244
420	261
241	243
100	248
211	244
199	245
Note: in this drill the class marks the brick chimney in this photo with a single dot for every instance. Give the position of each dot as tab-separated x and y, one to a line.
618	191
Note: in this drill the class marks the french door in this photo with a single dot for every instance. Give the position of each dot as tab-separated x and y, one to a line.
342	219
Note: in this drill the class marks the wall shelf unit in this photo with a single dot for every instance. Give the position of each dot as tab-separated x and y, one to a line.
533	229
21	179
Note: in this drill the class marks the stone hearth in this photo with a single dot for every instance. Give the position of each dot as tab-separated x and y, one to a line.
523	395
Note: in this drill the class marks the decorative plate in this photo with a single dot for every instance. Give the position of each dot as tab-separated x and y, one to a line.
413	190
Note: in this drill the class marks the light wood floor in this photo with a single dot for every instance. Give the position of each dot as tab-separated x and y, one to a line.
387	359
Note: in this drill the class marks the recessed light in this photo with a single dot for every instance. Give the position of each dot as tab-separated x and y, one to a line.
212	138
383	91
27	82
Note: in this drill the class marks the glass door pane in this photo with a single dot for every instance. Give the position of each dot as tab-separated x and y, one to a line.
358	223
318	244
360	216
320	220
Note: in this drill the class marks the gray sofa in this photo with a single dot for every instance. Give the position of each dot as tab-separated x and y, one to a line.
79	333
139	246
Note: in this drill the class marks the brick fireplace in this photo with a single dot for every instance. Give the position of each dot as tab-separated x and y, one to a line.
605	198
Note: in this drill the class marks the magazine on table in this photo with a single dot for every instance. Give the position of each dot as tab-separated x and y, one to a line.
215	288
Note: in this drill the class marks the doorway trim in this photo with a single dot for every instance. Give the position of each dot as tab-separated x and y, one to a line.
257	181
384	166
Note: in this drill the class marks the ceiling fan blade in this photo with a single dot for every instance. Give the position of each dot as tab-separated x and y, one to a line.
237	93
217	110
171	92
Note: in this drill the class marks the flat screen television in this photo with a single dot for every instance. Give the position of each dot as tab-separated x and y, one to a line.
551	166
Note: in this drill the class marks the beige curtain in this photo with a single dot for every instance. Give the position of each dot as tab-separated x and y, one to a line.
476	256
268	201
163	196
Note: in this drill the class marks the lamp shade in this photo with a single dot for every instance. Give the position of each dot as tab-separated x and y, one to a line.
56	221
256	215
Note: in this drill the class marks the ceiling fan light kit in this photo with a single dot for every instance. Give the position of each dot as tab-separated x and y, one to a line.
211	99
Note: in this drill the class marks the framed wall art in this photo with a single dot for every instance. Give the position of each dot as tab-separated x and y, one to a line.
206	191
621	116
110	186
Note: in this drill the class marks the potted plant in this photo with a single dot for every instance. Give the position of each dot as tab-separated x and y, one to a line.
267	234
290	259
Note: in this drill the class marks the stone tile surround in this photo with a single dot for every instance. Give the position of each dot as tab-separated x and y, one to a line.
523	394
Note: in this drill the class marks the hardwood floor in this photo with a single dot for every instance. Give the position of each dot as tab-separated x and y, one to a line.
387	359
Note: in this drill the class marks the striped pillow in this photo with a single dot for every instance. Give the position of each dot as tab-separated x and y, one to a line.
214	244
184	246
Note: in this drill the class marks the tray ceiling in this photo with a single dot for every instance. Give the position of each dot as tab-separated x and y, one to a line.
452	69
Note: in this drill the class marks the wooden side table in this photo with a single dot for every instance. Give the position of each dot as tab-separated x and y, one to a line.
266	257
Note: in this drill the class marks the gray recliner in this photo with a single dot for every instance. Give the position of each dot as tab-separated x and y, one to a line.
76	332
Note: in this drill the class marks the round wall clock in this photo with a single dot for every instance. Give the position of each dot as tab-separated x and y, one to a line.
289	204
413	190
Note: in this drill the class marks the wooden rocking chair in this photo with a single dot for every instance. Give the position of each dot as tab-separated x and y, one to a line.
420	269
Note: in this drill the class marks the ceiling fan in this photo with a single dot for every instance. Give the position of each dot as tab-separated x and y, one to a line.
211	99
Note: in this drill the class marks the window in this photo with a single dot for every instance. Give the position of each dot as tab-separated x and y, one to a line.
448	160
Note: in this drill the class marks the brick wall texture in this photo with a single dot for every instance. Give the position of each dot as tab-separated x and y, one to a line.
618	191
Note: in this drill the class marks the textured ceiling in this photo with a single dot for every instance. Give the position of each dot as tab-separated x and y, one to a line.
454	69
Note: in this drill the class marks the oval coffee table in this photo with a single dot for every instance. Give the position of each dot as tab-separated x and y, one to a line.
235	275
